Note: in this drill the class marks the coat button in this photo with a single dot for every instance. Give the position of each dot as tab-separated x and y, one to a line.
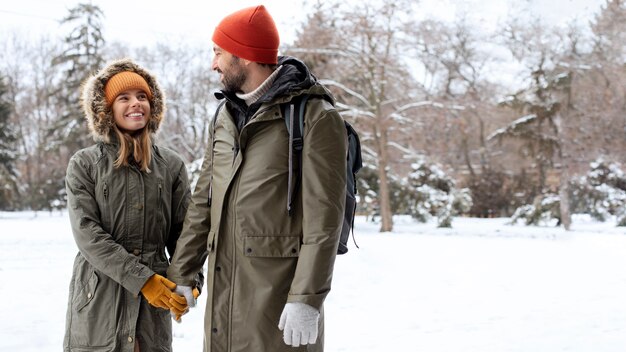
130	339
218	268
249	250
136	251
294	251
140	206
214	330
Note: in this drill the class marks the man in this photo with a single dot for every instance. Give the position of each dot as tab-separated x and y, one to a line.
268	269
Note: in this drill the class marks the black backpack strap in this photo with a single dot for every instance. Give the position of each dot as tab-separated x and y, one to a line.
293	113
354	164
213	124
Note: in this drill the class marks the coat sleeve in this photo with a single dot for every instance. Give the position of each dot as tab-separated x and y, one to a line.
191	248
96	245
181	196
323	198
180	202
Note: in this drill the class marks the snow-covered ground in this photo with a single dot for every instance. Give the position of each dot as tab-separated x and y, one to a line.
482	286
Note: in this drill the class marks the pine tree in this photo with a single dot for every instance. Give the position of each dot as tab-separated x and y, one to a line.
9	192
609	28
546	107
81	58
602	191
432	192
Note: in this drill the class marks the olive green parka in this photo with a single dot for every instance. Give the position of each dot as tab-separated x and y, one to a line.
259	257
123	220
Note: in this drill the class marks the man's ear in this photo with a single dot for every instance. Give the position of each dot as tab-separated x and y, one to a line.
246	62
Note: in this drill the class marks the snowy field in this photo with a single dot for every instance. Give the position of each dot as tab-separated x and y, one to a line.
482	286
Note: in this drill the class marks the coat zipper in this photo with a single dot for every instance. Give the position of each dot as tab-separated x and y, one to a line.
159	200
235	152
105	216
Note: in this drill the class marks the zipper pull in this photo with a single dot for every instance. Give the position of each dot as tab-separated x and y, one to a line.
235	152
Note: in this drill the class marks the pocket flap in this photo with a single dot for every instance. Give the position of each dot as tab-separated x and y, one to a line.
271	246
87	292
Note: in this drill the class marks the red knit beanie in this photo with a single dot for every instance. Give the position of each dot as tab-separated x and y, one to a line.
250	34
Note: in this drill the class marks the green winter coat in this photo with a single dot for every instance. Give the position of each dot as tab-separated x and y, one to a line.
259	258
123	220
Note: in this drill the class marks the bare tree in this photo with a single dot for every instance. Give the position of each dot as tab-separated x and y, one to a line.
358	53
31	80
185	75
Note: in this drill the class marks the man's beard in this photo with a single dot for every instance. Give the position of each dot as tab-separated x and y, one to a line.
234	78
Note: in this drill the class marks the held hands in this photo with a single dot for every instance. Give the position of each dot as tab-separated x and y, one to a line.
299	324
158	292
187	299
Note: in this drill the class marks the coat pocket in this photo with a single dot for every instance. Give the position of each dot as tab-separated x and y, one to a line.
271	246
86	293
92	316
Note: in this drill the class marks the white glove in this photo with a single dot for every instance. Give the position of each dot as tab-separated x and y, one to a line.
187	292
299	324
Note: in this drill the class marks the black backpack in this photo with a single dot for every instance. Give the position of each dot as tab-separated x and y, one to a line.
296	108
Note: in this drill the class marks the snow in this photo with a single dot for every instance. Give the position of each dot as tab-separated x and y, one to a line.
521	121
481	286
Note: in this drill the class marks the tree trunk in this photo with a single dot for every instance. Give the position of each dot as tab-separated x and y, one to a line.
384	197
565	155
566	217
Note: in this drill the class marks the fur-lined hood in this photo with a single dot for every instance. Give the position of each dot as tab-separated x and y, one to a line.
100	116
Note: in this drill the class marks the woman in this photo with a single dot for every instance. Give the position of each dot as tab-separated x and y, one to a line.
127	200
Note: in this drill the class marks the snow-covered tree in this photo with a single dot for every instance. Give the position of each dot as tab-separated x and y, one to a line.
546	125
9	190
359	47
184	72
609	27
601	192
430	192
544	209
368	187
82	56
31	80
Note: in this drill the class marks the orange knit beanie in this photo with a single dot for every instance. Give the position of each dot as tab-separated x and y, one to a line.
123	81
250	34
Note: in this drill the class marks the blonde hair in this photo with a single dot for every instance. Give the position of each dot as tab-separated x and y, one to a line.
138	145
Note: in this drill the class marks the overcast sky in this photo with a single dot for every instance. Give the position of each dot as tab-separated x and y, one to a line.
146	21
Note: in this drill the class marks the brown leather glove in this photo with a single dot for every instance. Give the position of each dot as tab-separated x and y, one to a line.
158	291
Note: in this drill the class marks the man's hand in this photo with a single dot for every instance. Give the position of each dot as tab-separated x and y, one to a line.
188	296
299	324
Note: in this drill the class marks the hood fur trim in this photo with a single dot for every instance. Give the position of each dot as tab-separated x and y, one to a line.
100	116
